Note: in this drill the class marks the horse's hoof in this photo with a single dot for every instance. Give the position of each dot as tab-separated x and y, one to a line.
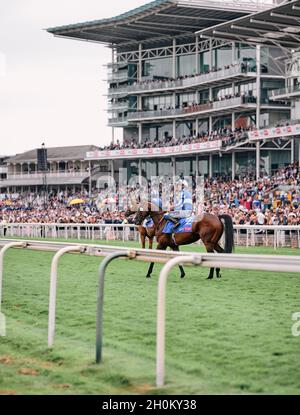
148	276
219	276
209	277
182	276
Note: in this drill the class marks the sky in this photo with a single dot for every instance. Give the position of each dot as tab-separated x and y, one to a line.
51	89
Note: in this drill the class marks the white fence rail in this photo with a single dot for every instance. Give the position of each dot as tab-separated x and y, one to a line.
245	235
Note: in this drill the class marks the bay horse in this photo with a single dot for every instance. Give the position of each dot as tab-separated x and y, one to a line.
207	227
145	232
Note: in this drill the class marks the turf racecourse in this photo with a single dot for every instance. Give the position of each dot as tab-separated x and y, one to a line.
226	336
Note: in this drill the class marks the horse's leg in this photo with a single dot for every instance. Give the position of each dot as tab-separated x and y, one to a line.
182	273
150	243
143	240
163	248
210	249
219	250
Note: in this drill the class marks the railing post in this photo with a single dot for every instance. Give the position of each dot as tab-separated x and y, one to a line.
53	285
161	312
2	253
99	318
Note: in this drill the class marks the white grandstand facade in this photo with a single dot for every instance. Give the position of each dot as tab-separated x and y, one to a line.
190	68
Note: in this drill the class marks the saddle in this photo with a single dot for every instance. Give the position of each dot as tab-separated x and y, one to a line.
185	225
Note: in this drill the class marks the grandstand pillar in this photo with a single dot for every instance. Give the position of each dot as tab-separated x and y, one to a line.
293	150
174	128
90	179
233	121
258	92
258	86
112	135
210	125
257	160
174	100
233	52
197	55
173	159
140	132
211	60
112	171
174	71
233	165
197	126
299	151
197	166
140	171
210	165
140	63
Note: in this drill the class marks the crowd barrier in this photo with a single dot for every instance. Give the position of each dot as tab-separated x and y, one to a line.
245	235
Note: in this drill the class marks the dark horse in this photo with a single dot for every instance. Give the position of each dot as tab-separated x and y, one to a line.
145	232
209	228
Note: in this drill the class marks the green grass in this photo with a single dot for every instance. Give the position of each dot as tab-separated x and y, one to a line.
231	335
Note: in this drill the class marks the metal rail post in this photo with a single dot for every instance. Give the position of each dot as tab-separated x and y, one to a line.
53	284
2	253
99	325
161	312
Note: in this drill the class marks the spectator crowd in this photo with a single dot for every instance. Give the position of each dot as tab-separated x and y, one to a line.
271	200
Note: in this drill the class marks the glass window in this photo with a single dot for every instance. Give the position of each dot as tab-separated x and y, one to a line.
184	166
222	56
149	168
245	163
203	166
184	129
222	165
164	167
188	99
157	68
186	65
204	61
267	85
246	53
157	103
203	97
268	65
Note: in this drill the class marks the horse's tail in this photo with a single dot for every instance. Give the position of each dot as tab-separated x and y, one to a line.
229	236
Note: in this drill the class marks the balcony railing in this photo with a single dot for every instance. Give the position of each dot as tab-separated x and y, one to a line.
209	106
240	69
290	90
120	106
25	175
117	120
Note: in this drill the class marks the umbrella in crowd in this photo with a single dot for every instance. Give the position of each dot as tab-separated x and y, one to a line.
76	202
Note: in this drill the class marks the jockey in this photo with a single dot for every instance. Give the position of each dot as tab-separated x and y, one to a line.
183	204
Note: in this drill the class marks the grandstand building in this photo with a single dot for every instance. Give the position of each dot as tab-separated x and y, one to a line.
67	170
176	72
3	168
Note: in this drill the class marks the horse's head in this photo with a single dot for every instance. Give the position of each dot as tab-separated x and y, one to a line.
128	213
146	209
142	212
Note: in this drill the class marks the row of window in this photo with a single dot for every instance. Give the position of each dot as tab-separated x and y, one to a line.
220	57
245	164
153	103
